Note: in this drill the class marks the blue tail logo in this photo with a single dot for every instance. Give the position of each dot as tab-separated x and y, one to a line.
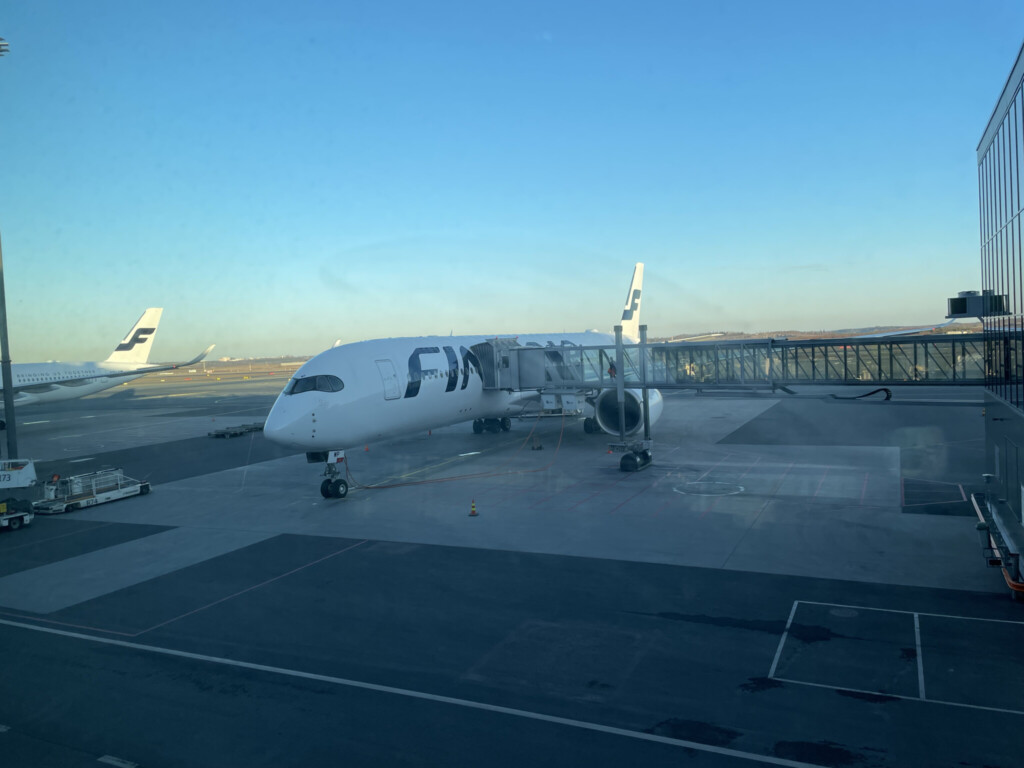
627	314
140	336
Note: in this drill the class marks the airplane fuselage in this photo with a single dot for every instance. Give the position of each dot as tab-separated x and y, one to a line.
395	386
51	382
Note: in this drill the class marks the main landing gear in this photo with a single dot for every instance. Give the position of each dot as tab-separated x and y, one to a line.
503	424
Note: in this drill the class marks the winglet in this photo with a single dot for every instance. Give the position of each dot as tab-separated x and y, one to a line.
631	312
137	344
195	359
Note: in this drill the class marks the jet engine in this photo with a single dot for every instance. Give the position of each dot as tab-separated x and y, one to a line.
606	410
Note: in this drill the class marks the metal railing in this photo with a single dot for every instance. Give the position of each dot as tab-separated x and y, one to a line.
940	359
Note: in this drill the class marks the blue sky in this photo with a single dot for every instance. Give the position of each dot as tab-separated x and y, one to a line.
281	175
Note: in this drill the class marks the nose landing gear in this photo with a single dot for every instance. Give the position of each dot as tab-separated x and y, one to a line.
334	486
334	489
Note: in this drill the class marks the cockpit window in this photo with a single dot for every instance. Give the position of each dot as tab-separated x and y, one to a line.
329	384
310	383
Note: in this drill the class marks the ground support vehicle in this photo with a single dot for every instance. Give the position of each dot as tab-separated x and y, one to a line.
64	494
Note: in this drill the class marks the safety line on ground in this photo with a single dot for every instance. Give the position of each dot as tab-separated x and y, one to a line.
782	640
423	696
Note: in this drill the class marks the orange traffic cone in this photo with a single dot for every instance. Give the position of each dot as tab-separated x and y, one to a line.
472	509
366	449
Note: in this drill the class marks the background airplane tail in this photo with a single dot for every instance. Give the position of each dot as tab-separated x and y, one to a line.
137	344
631	312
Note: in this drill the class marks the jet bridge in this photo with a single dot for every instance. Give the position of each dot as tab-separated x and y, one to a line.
507	365
561	373
944	359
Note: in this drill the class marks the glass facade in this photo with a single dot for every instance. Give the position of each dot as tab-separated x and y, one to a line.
999	183
1000	155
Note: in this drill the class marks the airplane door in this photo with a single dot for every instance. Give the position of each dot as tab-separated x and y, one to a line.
390	379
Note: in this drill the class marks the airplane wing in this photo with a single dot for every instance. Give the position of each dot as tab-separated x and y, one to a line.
904	332
155	368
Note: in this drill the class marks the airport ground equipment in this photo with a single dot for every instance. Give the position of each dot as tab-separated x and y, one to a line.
998	551
15	513
16	473
64	494
237	431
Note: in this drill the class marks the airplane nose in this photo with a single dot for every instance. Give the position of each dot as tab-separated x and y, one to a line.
285	426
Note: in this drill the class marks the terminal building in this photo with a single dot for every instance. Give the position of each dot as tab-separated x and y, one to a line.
1001	199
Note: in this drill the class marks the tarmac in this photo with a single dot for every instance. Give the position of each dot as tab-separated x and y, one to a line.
796	580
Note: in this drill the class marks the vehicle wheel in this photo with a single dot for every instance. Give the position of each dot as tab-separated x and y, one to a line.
629	463
588	425
506	424
478	427
143	489
71	507
14	523
339	489
3	425
325	489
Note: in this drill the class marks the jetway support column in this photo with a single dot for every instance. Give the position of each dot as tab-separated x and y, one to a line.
636	455
643	382
620	387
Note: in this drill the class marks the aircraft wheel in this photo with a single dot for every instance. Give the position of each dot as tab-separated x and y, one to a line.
478	427
14	523
588	426
3	425
493	425
629	463
646	458
325	489
506	424
339	489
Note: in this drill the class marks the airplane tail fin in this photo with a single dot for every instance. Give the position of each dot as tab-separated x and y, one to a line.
137	344
631	312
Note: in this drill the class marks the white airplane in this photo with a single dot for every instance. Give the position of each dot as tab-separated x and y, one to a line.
49	382
354	394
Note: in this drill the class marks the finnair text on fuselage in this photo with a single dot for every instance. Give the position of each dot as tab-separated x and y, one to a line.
427	382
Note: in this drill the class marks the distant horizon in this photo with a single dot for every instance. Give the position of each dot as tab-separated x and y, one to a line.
824	334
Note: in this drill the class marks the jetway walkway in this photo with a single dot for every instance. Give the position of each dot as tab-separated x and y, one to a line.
768	363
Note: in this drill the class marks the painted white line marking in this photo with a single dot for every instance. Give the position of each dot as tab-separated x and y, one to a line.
894	610
87	417
75	461
898	696
582	724
111	760
26	423
65	437
782	640
920	660
4	729
471	453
